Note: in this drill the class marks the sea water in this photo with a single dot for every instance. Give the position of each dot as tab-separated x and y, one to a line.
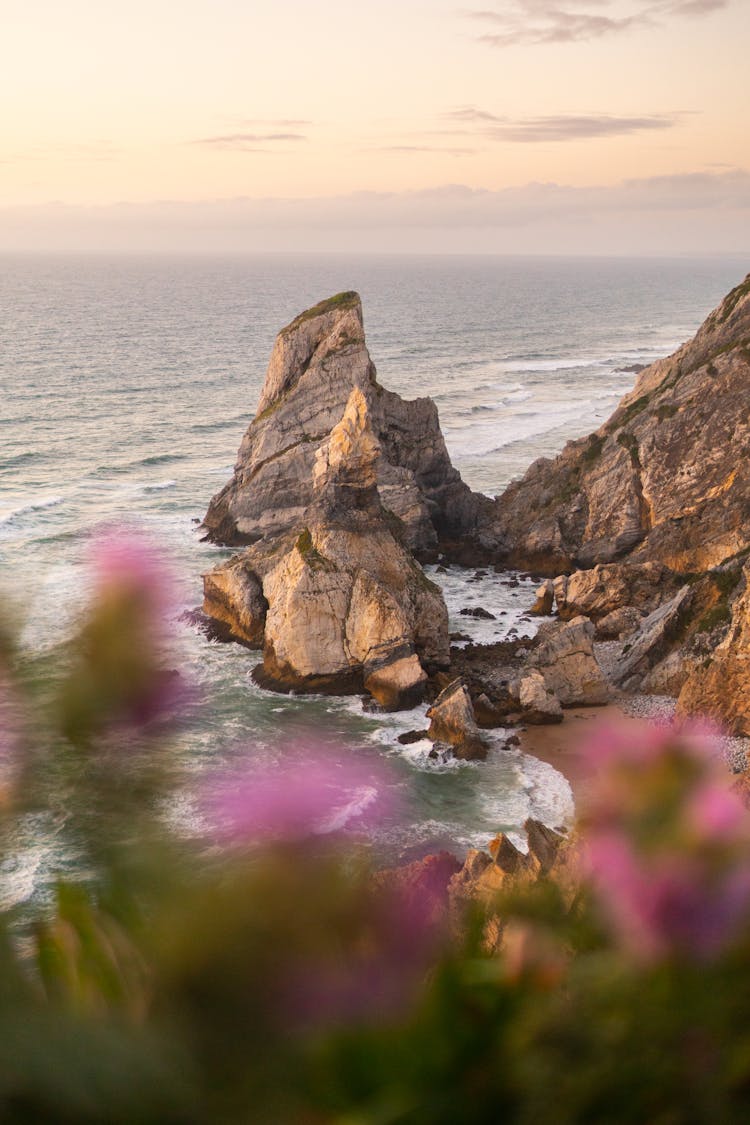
126	385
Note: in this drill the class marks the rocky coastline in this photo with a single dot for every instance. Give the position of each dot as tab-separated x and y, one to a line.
639	536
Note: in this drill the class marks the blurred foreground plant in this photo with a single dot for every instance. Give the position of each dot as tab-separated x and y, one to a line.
268	972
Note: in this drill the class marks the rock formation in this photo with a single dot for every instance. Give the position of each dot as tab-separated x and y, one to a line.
644	525
666	479
452	722
720	686
565	658
338	603
316	362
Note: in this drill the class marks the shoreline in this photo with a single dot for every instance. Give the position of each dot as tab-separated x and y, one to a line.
560	745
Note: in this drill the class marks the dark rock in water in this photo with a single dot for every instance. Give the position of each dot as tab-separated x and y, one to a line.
412	736
478	611
316	362
459	637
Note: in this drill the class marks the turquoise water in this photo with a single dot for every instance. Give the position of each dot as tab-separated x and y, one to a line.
127	385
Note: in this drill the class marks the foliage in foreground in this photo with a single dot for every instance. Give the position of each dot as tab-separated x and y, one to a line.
263	973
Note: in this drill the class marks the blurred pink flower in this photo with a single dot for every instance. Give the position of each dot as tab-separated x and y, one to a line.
126	564
308	793
666	843
120	683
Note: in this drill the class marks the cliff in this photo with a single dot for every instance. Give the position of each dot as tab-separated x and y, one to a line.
665	479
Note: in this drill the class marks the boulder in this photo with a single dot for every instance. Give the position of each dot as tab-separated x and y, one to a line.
346	606
316	362
538	705
720	686
565	657
603	590
545	599
452	722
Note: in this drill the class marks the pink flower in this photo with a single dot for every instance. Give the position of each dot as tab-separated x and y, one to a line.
666	843
308	793
128	567
119	683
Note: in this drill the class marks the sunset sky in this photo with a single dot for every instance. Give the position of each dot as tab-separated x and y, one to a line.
597	125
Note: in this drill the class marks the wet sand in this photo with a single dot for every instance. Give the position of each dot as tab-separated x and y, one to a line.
560	745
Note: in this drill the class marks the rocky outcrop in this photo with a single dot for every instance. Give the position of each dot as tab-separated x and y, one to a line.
316	362
565	658
452	722
340	603
720	686
666	479
604	589
659	633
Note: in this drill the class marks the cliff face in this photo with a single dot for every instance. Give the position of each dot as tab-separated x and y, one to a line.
667	478
316	362
720	686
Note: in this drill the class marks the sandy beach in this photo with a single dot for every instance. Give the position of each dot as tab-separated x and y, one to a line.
561	744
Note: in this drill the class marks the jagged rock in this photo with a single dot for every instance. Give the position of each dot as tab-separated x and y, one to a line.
538	705
619	623
479	612
233	599
656	638
720	686
452	721
565	657
345	605
667	478
483	876
545	599
599	592
316	362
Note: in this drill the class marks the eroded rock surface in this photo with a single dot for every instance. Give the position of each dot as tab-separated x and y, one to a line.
452	722
667	478
341	604
720	685
565	658
316	362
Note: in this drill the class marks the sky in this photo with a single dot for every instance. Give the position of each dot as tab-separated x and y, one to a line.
521	126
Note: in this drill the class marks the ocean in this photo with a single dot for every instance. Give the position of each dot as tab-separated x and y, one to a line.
126	385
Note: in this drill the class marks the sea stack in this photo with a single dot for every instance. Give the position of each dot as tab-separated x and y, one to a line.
316	362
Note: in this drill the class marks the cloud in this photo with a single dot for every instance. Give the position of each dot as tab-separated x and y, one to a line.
706	212
248	142
559	21
423	148
558	127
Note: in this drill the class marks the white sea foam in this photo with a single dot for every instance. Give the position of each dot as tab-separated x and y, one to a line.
13	515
